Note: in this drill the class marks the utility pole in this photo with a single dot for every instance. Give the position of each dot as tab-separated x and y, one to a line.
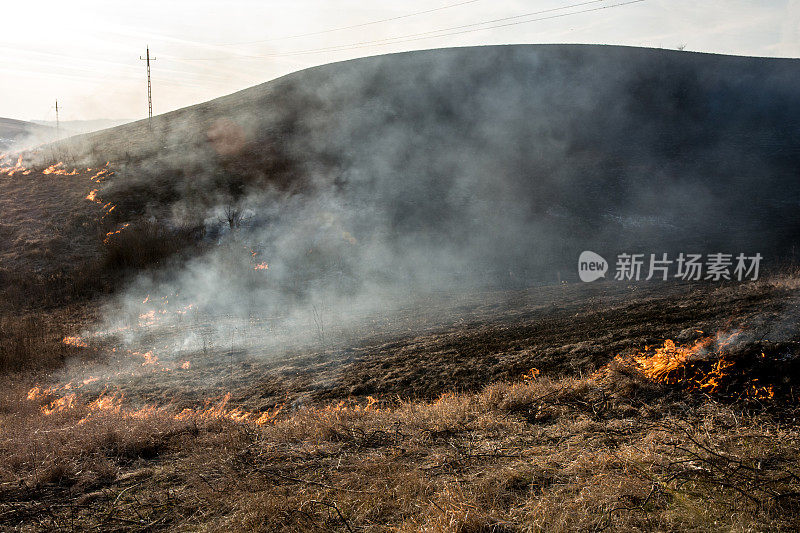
58	124
149	93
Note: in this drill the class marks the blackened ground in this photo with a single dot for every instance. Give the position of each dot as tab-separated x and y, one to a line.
463	343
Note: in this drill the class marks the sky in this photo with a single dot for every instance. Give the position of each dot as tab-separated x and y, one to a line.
85	53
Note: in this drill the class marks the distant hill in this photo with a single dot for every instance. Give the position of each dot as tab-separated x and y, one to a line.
499	158
16	131
77	127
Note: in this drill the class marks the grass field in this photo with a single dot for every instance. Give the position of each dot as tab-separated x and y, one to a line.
520	404
520	410
497	415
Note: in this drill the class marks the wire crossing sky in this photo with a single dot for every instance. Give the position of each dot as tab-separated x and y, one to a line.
85	52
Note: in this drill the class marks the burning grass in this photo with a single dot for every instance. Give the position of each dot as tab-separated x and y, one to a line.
608	451
62	246
720	366
640	444
664	438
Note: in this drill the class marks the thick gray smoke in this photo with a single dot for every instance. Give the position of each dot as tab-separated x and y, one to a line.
372	184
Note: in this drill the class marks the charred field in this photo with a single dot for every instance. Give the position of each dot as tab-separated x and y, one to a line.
347	300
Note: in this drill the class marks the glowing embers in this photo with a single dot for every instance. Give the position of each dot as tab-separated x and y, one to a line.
159	310
77	342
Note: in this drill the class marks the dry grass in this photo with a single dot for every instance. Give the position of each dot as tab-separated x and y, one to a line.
561	452
608	451
59	255
144	244
33	340
586	451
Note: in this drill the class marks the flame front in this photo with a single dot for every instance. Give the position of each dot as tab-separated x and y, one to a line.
113	402
672	364
58	170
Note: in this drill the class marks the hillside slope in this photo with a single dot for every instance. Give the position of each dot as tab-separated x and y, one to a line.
511	157
385	178
15	131
458	167
270	312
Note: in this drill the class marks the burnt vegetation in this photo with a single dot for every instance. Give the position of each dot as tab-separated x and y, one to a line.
518	404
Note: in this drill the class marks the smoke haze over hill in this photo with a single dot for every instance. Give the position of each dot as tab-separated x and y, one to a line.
387	178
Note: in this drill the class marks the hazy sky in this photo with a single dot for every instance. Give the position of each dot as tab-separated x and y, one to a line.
86	52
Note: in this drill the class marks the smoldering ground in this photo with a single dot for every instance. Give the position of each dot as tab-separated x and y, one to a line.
368	185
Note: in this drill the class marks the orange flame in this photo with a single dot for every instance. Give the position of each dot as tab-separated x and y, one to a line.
62	404
532	374
353	406
100	175
662	365
58	170
106	402
10	171
110	234
35	393
670	364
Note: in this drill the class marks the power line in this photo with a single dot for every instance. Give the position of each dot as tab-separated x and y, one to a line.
443	32
435	33
353	26
432	33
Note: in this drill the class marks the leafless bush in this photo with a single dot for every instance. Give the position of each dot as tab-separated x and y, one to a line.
233	215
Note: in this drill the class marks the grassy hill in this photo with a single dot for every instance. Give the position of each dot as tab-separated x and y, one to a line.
332	302
77	127
511	157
